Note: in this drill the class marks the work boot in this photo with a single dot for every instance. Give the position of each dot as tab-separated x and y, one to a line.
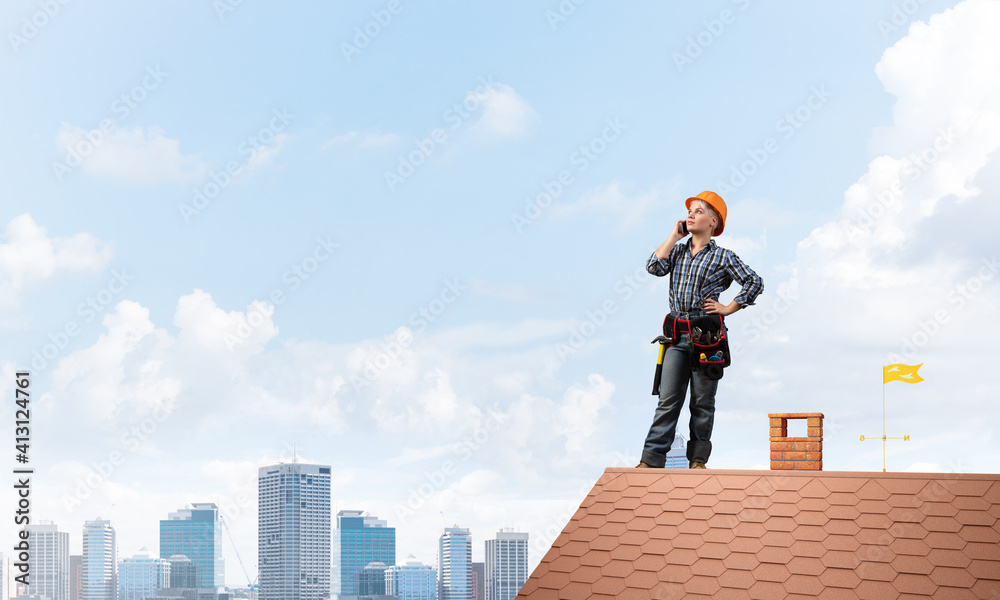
643	465
697	465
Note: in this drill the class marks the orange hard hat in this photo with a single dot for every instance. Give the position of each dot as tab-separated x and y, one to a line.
716	203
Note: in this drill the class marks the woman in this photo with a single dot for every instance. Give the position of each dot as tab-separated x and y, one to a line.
699	271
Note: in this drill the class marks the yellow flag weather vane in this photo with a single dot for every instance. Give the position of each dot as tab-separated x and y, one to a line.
896	372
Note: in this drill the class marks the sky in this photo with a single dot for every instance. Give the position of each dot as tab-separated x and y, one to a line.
408	240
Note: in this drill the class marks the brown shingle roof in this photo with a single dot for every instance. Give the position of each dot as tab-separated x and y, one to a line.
672	534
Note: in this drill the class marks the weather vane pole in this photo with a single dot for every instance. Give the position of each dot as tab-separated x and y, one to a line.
896	372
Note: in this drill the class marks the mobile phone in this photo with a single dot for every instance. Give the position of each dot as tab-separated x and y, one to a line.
684	227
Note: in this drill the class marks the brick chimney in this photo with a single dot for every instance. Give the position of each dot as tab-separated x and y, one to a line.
799	453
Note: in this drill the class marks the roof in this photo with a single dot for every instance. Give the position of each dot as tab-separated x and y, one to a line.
672	534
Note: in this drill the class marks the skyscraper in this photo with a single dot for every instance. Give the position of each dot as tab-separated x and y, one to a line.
293	531
196	533
478	581
455	564
49	561
75	577
100	572
506	564
7	589
140	576
411	581
677	456
183	572
371	580
359	540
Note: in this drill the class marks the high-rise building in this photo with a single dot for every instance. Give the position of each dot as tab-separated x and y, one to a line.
183	572
7	588
478	581
100	572
196	533
506	564
677	455
371	579
411	581
48	562
141	575
293	531
75	577
359	540
455	564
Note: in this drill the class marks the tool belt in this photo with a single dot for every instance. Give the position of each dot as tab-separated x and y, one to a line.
708	348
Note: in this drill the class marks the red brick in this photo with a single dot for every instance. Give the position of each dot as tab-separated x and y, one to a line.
778	432
814	456
808	465
794	456
781	446
814	422
777	422
781	465
815	432
809	446
795	415
777	455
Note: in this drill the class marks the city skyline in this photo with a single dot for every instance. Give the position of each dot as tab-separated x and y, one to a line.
408	241
141	573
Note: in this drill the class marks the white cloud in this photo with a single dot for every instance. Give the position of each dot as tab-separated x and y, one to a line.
29	256
121	374
264	155
137	154
154	396
909	268
505	114
946	126
206	326
580	412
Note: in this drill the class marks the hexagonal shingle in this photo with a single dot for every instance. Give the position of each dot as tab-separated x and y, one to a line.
976	533
841	542
935	492
840	578
766	590
710	487
805	565
585	574
840	560
917	565
741	561
675	573
775	554
801	584
945	557
711	567
871	490
815	489
951	577
713	550
734	578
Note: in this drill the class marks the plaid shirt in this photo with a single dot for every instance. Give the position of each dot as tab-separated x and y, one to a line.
706	275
